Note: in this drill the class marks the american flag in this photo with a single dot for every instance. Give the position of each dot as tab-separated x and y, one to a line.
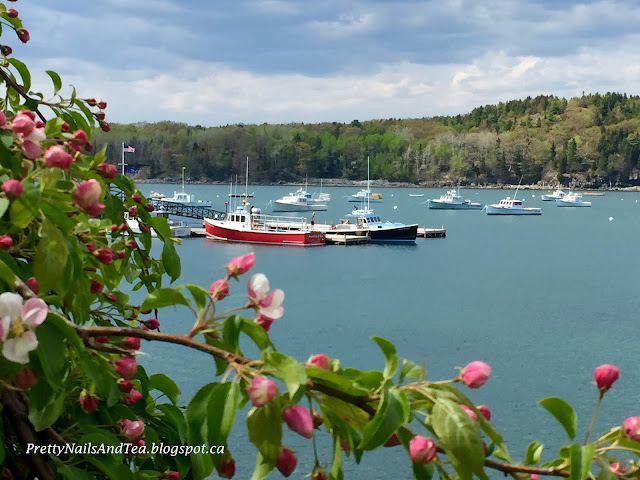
128	149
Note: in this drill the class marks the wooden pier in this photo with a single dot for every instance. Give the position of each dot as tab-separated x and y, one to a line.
425	232
197	232
344	239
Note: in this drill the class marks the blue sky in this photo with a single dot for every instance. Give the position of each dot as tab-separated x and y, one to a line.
217	62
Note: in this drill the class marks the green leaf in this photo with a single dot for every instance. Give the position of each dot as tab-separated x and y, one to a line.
210	413
51	351
6	274
534	450
161	226
55	78
393	411
25	208
289	370
161	382
176	418
390	356
263	468
4	205
264	425
23	71
336	381
171	260
580	460
336	464
256	333
199	294
106	386
73	473
563	412
409	370
44	418
231	332
51	257
606	474
163	297
458	434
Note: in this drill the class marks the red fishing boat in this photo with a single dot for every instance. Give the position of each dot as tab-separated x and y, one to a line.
248	225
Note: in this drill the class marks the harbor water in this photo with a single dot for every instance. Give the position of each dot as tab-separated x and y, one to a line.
543	300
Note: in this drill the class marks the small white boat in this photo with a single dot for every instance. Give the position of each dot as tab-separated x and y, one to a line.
186	199
511	206
549	197
298	201
452	200
572	199
416	194
365	195
179	229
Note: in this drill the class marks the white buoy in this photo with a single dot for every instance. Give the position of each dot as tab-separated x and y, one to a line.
395	207
532	196
611	219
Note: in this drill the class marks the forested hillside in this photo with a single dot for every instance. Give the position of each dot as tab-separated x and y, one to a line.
590	140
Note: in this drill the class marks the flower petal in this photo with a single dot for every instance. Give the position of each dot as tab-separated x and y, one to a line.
10	304
5	324
17	349
258	286
274	312
34	312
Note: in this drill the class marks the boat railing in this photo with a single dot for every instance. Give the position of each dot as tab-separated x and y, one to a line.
277	222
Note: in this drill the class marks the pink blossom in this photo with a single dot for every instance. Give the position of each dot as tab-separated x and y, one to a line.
319	360
605	375
104	255
102	104
22	124
299	420
219	289
132	398
265	302
31	150
469	411
6	51
170	475
227	467
32	283
125	385
617	468
132	430
108	170
23	35
12	188
12	13
87	401
56	156
3	117
421	449
261	391
286	461
26	378
132	343
87	195
126	367
241	264
152	323
80	136
475	374
5	242
484	411
17	324
264	321
96	286
632	428
105	127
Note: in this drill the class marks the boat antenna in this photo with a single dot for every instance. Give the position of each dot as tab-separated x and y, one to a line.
183	179
516	194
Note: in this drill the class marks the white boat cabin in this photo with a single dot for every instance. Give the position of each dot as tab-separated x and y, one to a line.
510	203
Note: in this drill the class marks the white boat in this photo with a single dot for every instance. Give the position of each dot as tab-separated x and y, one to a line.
298	201
416	194
512	206
452	200
572	199
179	229
365	195
186	199
549	197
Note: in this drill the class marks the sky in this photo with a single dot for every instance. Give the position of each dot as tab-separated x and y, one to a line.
219	62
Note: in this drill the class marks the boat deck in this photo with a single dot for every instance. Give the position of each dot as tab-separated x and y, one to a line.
346	239
425	232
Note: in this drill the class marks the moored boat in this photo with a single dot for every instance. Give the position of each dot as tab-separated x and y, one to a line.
452	200
365	195
186	199
179	229
299	201
572	199
549	197
512	206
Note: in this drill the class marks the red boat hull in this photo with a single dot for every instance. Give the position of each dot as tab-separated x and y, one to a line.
300	238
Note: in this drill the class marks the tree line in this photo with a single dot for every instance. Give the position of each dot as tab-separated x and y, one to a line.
589	140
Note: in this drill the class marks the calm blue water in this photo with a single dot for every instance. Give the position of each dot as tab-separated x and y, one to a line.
543	300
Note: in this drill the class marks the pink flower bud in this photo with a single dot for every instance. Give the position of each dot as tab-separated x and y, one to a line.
319	360
6	51
241	264
102	104
22	124
144	228
132	398
87	401
12	189
261	391
605	375
264	321
40	124
617	468
5	242
80	137
29	113
91	101
108	170
152	324
26	378
227	467
149	208
534	476
136	197
32	283
286	461
56	156
101	339
133	212
132	430
31	150
219	289
131	244
299	420
125	385
100	115
393	440
484	411
475	374
104	255
132	343
421	449
23	35
87	194
170	475
120	254
64	127
632	428
96	286
12	13
111	297
469	412
104	126
126	367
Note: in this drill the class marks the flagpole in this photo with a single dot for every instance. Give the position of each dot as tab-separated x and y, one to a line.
123	172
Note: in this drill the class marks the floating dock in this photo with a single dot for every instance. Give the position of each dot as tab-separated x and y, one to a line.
425	232
197	232
344	239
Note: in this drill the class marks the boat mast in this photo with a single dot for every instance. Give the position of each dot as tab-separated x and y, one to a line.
368	185
246	182
516	194
183	179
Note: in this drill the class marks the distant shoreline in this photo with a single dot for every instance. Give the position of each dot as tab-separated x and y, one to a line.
385	184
